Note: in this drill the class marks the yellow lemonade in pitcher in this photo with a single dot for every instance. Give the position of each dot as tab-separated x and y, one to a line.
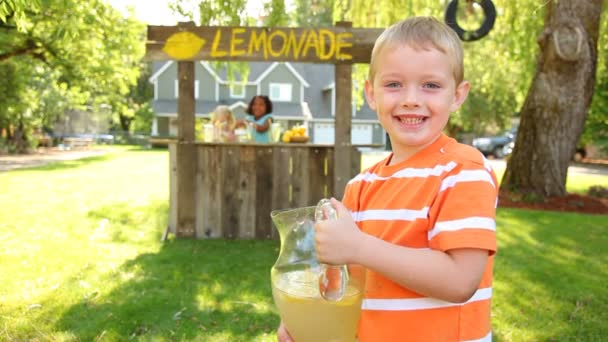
310	318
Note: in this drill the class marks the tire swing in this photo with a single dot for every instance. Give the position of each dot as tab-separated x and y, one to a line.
489	12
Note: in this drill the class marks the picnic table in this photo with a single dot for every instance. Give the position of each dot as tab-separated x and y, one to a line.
77	142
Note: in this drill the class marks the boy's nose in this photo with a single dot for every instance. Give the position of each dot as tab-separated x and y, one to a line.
410	98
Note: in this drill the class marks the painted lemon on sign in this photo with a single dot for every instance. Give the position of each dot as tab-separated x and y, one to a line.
183	45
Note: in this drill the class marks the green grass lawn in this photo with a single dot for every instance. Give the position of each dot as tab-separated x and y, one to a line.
81	260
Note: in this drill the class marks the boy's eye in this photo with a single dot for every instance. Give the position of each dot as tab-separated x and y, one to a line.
432	85
392	85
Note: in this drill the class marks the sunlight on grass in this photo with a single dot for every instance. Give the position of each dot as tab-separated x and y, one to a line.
549	278
581	183
81	241
70	224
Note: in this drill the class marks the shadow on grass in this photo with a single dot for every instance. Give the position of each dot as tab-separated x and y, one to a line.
551	276
66	164
188	290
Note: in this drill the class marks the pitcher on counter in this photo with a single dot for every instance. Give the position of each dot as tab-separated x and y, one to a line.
421	221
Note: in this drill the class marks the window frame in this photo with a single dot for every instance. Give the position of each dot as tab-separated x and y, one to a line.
285	92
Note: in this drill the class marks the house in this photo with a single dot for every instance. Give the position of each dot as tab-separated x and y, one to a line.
301	93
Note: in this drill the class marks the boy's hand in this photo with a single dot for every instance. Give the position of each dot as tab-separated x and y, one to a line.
283	334
337	241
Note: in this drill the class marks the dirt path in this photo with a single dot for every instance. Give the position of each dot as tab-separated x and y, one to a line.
45	156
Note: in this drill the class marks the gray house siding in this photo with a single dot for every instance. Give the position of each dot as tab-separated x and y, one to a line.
319	77
206	83
166	83
281	74
224	92
326	102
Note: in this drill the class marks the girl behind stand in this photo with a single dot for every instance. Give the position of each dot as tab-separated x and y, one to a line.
260	118
223	124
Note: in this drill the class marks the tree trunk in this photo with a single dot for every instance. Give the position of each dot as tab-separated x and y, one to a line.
125	125
554	113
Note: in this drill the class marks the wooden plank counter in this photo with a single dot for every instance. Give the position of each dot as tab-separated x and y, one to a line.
239	184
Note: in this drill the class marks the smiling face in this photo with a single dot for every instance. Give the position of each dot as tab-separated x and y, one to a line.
258	108
413	92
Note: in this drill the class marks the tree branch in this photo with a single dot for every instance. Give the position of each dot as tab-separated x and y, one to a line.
7	27
30	48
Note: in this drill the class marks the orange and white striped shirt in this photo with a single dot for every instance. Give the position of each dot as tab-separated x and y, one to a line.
442	198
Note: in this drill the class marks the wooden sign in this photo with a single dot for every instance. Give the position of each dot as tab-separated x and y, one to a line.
318	45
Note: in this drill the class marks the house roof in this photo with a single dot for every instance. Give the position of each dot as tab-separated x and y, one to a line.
289	67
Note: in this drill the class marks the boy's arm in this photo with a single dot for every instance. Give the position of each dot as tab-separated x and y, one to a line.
451	276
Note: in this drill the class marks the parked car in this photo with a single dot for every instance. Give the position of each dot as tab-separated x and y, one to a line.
508	148
579	154
495	145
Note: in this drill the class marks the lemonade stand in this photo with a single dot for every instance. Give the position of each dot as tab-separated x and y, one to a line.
227	190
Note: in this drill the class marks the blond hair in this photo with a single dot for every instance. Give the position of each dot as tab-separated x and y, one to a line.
224	109
420	32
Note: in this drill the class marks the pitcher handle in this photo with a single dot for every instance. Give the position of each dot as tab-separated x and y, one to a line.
333	278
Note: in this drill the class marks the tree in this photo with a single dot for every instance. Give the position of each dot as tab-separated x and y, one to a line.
313	13
137	113
275	13
596	126
67	54
554	113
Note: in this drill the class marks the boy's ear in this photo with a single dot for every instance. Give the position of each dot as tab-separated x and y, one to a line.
462	91
369	95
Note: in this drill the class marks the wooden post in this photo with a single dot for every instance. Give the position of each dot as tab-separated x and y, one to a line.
342	155
186	152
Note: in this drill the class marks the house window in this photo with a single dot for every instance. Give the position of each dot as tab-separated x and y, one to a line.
177	89
280	92
237	90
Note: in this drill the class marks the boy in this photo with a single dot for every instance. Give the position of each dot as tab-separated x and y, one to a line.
422	220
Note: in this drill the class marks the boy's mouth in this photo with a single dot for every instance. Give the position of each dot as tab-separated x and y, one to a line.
411	120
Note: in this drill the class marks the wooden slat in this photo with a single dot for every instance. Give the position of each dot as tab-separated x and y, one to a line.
186	183
264	192
316	174
172	187
330	152
247	192
209	192
269	44
300	177
280	181
232	203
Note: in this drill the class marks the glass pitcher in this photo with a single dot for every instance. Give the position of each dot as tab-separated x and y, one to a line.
316	302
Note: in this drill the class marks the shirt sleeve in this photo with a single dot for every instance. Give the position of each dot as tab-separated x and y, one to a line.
464	213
